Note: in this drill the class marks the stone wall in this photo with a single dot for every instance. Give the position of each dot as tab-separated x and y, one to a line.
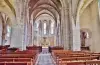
89	20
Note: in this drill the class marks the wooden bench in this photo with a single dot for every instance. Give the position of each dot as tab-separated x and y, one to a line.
29	56
51	48
63	56
93	62
15	63
38	48
88	62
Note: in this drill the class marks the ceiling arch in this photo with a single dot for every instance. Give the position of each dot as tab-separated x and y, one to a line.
51	5
6	6
48	7
47	14
42	8
45	5
44	17
45	11
86	4
57	3
82	6
5	19
11	6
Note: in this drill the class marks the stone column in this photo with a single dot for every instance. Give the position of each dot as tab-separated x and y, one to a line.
18	31
74	29
58	33
17	36
59	29
26	33
32	31
0	30
29	34
65	25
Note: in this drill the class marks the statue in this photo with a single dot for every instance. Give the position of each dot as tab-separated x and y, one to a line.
84	39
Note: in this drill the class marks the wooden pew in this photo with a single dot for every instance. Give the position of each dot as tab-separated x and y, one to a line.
76	63
15	59
19	56
15	63
4	47
88	62
93	62
39	48
6	60
51	48
63	56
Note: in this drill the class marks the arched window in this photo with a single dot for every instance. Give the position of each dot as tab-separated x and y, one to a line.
52	27
8	31
45	28
37	26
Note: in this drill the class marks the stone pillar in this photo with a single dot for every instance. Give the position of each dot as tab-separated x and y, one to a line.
65	25
18	29
56	36
58	33
74	29
32	31
17	36
76	37
0	30
29	34
26	33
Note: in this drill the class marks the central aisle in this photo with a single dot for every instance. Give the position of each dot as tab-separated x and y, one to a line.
44	58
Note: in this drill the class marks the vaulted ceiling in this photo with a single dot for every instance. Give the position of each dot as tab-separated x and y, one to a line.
39	7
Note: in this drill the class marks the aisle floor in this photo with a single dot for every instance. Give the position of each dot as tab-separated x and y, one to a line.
45	58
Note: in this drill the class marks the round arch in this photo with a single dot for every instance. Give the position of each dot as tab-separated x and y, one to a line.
35	12
41	8
44	13
41	4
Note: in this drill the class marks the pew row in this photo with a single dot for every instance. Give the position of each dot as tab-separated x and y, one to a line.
63	56
15	63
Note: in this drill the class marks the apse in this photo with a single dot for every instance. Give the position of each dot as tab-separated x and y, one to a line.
45	19
44	30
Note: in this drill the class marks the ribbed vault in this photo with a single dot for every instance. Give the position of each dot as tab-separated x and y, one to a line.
50	7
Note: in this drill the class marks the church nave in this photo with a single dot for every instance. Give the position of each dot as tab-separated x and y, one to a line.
49	32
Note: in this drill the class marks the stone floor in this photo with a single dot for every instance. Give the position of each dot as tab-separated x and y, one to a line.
44	58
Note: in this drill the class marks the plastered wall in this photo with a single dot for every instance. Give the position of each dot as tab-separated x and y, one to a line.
89	20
